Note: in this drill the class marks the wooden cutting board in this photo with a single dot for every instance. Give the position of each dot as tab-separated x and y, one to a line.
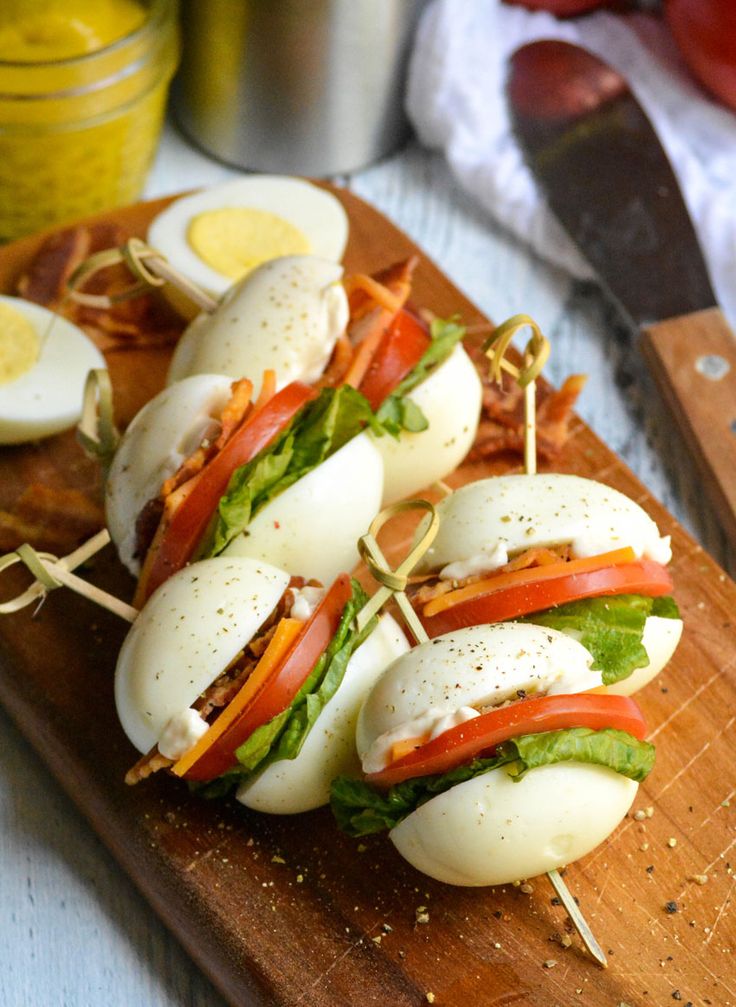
288	911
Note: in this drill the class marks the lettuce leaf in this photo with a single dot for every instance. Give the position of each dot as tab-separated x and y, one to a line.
610	628
284	735
320	429
396	412
361	809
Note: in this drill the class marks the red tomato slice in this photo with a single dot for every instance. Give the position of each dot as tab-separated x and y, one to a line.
399	351
190	520
280	688
529	716
641	577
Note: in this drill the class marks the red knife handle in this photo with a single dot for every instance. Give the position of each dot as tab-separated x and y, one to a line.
693	360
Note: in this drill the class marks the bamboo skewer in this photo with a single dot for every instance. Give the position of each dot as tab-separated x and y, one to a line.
150	268
578	920
393	583
51	572
536	353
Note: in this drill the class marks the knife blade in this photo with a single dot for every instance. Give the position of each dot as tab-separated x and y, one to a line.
605	175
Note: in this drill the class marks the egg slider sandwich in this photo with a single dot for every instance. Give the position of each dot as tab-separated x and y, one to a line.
204	469
559	551
490	755
237	676
293	315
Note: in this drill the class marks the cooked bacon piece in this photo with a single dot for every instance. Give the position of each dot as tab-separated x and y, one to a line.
49	518
141	321
501	428
45	279
339	364
241	394
146	526
539	556
186	471
227	685
146	766
434	587
235	412
231	418
370	318
364	293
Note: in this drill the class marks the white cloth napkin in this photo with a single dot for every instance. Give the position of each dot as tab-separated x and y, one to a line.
456	102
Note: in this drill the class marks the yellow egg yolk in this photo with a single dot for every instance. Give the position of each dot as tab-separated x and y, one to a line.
19	344
235	240
37	31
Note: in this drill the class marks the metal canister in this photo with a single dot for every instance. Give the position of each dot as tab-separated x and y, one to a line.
313	87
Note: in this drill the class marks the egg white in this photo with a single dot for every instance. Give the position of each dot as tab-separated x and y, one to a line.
315	212
286	315
291	786
450	398
47	398
492	830
477	666
189	631
312	528
520	512
660	640
161	436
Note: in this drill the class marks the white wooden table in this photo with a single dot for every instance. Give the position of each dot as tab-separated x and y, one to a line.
73	930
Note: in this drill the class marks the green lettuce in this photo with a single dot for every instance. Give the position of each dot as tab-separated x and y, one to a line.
284	735
361	809
610	628
396	412
320	429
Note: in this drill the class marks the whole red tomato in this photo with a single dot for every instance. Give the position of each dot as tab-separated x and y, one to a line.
561	8
705	31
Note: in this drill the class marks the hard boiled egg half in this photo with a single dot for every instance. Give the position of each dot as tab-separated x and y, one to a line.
192	628
217	236
490	829
44	362
310	529
286	316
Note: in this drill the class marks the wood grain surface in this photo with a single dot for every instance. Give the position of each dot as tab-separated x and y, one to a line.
287	911
693	360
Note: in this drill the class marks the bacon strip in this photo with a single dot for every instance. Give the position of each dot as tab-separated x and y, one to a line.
370	318
235	411
146	766
228	684
145	320
396	279
339	364
501	428
538	556
46	277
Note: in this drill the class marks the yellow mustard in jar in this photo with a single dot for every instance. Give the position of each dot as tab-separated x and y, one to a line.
83	86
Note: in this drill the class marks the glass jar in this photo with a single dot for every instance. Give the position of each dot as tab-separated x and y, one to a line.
77	135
